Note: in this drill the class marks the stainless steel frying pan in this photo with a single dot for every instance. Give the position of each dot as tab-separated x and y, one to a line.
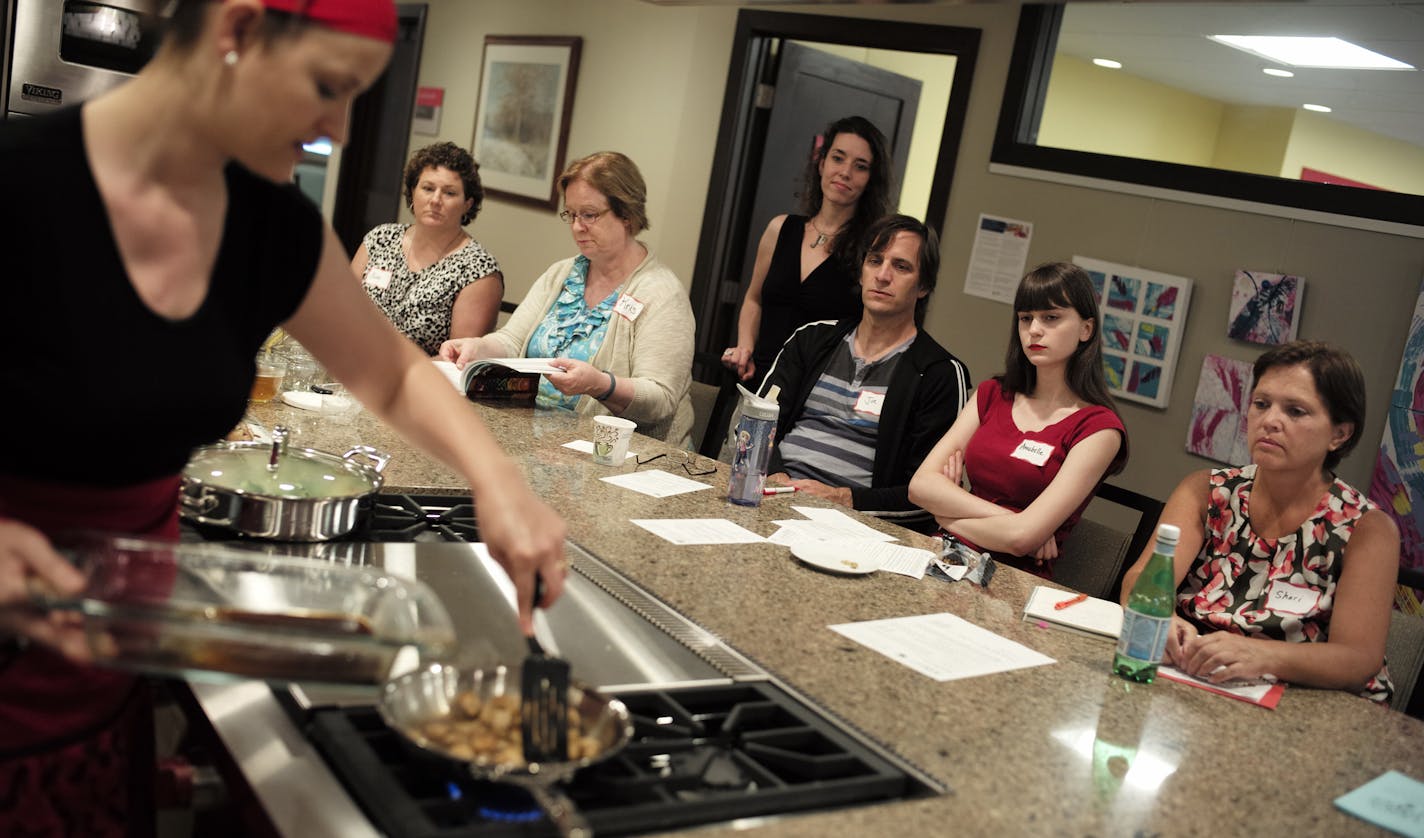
428	694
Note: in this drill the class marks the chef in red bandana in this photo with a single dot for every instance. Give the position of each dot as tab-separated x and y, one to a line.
161	242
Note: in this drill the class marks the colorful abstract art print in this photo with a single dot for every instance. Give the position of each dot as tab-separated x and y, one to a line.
1122	292
1217	429
1152	340
1161	301
1398	481
1144	315
1115	368
1117	332
1146	380
1099	279
1265	308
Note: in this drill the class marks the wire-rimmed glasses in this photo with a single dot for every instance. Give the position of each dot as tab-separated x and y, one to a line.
587	218
694	465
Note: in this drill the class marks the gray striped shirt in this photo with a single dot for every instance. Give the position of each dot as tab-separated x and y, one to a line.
832	441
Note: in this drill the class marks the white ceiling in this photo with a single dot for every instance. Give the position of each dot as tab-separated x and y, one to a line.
1167	43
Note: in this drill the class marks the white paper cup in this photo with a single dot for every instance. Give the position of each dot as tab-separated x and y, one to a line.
611	435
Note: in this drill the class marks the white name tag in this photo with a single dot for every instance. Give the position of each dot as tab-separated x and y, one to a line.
378	278
628	307
869	402
1289	598
1033	451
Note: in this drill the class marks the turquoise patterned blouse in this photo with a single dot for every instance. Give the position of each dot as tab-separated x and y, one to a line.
570	329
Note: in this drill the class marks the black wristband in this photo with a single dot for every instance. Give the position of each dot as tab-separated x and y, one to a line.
612	385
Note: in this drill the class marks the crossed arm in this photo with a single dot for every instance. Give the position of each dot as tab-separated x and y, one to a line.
936	488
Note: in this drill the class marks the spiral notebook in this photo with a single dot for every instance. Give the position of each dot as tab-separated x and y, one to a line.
1093	617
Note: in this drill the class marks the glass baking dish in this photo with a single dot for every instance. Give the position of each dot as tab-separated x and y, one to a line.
212	613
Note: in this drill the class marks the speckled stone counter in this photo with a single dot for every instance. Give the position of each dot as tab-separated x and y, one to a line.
1064	749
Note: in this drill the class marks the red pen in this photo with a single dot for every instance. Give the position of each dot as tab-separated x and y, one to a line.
778	490
1070	601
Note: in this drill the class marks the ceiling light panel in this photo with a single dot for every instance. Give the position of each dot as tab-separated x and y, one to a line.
1329	53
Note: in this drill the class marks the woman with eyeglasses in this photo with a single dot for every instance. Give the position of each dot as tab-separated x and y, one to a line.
616	320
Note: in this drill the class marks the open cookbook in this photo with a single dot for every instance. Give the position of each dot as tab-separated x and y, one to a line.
498	378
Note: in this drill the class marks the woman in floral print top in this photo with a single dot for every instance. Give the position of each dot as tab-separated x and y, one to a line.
1283	569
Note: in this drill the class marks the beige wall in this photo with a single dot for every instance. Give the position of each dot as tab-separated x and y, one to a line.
1091	108
644	88
936	75
1329	145
652	84
1253	139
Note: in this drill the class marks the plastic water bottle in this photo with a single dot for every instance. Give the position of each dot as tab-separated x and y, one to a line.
1148	616
752	454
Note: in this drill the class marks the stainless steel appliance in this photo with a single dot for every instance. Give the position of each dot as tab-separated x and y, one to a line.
716	738
66	51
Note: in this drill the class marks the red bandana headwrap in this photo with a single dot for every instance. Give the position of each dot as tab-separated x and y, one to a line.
368	18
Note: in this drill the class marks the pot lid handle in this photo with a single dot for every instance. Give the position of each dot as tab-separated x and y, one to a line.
377	457
279	442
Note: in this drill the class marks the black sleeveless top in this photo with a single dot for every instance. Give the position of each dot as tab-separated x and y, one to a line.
98	389
830	292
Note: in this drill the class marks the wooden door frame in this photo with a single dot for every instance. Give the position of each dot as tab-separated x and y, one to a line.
742	129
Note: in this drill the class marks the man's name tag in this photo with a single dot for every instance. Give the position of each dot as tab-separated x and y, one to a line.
869	402
628	307
1033	451
1289	598
378	278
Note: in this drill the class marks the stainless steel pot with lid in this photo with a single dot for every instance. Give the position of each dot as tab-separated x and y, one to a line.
276	492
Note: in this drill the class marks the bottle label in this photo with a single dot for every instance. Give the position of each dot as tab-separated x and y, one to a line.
1143	637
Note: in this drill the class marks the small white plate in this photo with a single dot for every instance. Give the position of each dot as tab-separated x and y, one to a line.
835	558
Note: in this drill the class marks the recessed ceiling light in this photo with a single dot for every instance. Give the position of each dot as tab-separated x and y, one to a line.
1312	52
1316	108
1108	63
1278	73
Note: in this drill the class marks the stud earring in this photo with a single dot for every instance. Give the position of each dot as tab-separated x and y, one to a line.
230	58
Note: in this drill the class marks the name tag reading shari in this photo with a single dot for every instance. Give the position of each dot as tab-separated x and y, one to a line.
628	307
1033	451
378	278
870	402
1290	598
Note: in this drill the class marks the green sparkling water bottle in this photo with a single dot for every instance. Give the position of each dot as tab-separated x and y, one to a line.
1148	615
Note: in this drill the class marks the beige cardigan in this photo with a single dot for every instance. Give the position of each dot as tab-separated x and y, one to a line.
653	352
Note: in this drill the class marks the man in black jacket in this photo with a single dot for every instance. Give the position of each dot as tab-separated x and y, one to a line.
864	400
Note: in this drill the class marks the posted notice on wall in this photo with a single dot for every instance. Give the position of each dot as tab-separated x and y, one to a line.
428	102
999	257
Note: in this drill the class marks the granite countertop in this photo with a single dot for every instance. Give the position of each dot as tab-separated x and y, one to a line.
1042	750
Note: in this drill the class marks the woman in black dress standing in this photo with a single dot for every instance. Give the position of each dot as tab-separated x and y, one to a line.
806	265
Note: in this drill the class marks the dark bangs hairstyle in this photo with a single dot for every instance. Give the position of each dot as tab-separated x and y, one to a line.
1338	379
882	232
446	156
874	202
1062	285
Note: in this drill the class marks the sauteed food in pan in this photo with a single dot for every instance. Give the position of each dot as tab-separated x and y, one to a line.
487	731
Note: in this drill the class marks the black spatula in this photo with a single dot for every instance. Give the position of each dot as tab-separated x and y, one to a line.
544	712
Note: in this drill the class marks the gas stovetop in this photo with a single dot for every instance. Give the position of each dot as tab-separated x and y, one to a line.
698	755
715	737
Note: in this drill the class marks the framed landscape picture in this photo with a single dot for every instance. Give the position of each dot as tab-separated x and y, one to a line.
522	117
1143	313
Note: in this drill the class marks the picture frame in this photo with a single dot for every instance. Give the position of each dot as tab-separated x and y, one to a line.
1144	314
526	98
